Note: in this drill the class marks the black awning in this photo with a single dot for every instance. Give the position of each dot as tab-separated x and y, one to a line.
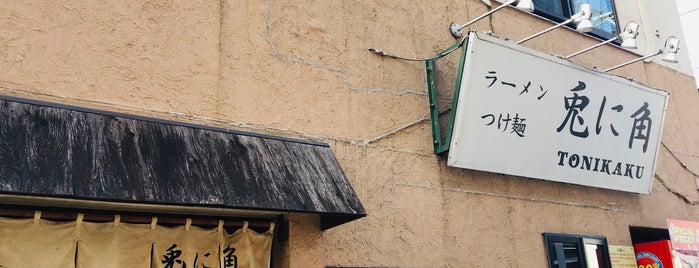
54	150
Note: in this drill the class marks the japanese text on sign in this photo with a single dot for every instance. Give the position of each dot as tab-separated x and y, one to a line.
526	113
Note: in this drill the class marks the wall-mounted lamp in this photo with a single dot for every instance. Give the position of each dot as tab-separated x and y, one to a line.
628	39
582	17
525	5
584	24
672	45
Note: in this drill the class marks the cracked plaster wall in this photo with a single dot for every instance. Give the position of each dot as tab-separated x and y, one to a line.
302	69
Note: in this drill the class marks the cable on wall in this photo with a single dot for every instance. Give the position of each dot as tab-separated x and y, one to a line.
679	161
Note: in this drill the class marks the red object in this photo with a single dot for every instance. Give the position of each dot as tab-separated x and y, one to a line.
654	254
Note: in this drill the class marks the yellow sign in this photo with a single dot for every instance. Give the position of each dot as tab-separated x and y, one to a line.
622	256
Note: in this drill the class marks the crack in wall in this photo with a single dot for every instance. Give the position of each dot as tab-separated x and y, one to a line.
672	153
383	90
677	194
685	153
342	74
667	187
219	82
506	196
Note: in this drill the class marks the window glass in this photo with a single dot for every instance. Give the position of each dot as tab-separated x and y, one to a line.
551	7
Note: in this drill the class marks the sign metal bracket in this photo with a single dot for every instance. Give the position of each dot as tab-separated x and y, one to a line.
441	145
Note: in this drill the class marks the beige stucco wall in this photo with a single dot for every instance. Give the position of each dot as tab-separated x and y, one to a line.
302	69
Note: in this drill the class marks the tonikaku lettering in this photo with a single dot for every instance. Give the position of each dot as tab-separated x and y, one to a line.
596	164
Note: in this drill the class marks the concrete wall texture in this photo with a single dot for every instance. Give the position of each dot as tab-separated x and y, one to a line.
301	69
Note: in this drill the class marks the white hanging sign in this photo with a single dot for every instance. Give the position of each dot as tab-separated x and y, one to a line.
526	113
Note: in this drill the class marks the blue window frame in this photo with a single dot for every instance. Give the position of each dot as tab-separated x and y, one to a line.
604	17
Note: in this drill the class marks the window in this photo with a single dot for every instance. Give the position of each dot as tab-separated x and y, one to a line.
576	251
603	15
